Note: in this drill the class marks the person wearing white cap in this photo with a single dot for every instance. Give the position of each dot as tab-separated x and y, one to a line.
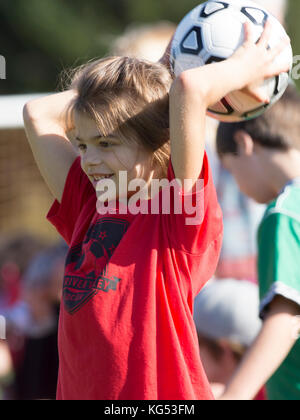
226	315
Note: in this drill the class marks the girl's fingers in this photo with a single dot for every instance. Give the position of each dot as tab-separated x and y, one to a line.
261	96
277	50
278	70
257	93
266	57
249	33
266	35
278	67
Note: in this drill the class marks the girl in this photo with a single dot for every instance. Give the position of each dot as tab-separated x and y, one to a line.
126	324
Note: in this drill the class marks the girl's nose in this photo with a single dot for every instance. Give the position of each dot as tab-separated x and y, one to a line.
91	157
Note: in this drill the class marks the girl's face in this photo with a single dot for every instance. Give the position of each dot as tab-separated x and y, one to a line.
107	157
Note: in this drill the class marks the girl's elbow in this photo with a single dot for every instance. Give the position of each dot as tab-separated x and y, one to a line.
187	85
182	84
28	112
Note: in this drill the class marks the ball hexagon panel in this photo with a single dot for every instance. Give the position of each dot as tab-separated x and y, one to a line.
224	42
257	16
192	42
212	7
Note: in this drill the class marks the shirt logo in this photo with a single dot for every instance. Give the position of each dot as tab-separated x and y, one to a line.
87	265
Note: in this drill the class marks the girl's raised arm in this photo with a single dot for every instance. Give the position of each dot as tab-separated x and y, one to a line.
44	121
197	89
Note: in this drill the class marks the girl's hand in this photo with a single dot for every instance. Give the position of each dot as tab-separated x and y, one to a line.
259	61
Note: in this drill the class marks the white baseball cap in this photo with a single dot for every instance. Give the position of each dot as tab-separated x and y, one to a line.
228	309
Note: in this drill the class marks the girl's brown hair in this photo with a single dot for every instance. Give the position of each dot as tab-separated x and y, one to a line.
127	97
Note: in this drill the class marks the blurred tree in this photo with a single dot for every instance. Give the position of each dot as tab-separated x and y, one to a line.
40	38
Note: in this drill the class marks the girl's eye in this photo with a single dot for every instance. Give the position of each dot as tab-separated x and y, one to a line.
104	144
82	147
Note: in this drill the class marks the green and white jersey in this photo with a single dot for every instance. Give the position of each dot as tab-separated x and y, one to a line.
279	274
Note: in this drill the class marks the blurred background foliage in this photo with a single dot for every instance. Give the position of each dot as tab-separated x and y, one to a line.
40	38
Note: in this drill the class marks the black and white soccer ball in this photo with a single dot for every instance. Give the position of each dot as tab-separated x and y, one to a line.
212	32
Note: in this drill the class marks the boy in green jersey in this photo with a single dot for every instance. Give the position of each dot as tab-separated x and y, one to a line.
264	157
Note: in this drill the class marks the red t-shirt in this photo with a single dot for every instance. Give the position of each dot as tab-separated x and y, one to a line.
126	328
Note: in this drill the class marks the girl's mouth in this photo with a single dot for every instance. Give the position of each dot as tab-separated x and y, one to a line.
98	178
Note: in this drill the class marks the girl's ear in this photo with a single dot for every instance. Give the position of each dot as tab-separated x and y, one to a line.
244	142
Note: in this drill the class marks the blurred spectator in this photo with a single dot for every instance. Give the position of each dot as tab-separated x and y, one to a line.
241	217
16	253
6	368
36	375
147	42
226	315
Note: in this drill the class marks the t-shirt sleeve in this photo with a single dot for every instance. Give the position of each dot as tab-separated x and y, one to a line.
278	262
77	191
195	220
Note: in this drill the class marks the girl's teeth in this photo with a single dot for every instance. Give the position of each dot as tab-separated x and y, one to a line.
102	177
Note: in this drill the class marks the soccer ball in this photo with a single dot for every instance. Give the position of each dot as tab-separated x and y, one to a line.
212	32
